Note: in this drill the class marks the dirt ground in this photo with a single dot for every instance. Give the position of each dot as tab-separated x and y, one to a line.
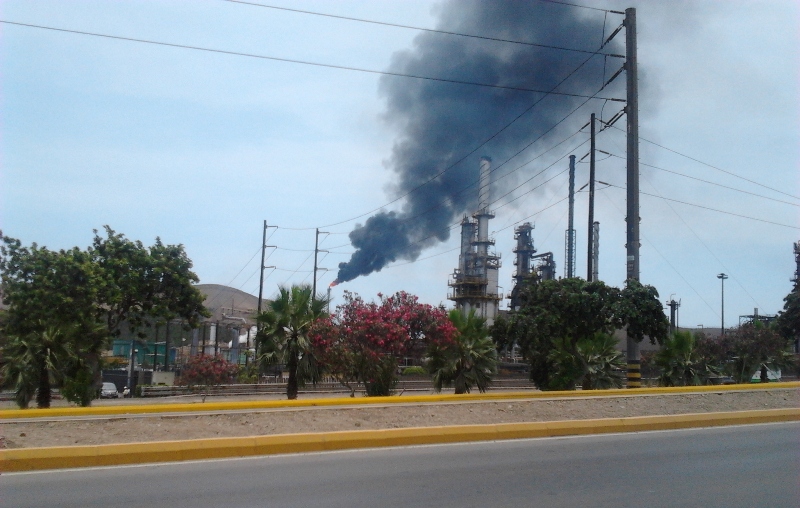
116	429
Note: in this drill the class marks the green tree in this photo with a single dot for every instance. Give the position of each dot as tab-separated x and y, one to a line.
35	362
283	337
47	289
682	363
556	315
470	360
754	347
140	285
92	292
789	317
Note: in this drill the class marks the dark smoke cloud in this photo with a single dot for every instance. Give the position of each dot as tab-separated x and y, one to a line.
439	123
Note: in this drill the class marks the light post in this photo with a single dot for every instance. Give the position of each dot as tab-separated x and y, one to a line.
722	278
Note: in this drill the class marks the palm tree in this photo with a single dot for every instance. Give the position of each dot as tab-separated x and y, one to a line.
34	361
681	364
470	361
602	361
283	337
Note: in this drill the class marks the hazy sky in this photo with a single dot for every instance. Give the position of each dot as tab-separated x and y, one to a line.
199	148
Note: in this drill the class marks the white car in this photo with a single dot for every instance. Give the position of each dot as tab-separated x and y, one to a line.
109	391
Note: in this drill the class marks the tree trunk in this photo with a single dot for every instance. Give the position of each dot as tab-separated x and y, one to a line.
44	395
291	385
764	377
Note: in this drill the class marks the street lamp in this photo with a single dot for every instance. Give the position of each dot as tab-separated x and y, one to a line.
722	278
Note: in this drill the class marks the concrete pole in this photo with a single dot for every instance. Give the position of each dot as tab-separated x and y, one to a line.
722	278
590	240
633	355
571	224
316	252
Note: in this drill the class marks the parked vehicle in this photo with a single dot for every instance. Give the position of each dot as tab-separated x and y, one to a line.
109	391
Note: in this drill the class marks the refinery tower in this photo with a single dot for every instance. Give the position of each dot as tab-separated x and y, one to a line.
474	282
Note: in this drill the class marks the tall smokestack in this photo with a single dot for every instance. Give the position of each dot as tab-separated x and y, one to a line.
441	126
483	196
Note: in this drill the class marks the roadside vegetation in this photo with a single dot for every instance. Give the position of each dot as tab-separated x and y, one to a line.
64	307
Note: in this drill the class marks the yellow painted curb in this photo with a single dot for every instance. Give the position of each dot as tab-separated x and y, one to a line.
349	401
29	459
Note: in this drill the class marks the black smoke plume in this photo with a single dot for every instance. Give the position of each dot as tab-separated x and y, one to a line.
440	123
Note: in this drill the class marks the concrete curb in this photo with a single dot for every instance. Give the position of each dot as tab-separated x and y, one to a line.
30	459
348	401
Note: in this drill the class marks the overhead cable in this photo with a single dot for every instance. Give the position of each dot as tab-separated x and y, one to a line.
307	62
431	30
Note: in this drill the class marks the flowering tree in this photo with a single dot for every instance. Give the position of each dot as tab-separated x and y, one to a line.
363	341
208	370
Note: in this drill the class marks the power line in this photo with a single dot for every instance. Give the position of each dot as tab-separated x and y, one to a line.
714	167
663	256
306	62
197	48
581	6
707	247
471	152
709	182
422	29
709	208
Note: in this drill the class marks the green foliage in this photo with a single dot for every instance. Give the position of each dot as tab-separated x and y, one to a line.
596	365
470	360
139	285
603	362
78	387
789	317
35	362
283	338
556	315
382	381
682	363
414	370
754	347
248	374
86	295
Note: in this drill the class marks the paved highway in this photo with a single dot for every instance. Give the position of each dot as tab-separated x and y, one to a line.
747	466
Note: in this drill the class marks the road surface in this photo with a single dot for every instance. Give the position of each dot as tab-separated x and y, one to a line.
747	466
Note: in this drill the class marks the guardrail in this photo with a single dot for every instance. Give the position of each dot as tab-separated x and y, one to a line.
325	387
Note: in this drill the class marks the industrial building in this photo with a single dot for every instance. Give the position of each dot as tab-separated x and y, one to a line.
475	282
527	272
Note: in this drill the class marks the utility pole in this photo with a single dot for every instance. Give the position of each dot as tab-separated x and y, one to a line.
634	359
166	347
590	241
570	264
261	280
264	247
595	251
722	278
316	252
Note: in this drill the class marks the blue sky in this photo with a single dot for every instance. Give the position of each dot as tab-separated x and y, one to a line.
199	148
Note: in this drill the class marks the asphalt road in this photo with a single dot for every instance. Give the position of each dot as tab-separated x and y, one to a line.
747	466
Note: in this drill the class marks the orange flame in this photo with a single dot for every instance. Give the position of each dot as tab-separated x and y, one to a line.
334	283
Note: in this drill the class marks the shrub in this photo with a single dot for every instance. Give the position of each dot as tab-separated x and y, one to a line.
206	370
414	370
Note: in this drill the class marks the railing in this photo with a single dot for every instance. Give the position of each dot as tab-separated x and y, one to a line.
328	387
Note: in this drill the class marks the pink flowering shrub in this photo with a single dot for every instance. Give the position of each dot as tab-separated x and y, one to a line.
207	370
364	341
